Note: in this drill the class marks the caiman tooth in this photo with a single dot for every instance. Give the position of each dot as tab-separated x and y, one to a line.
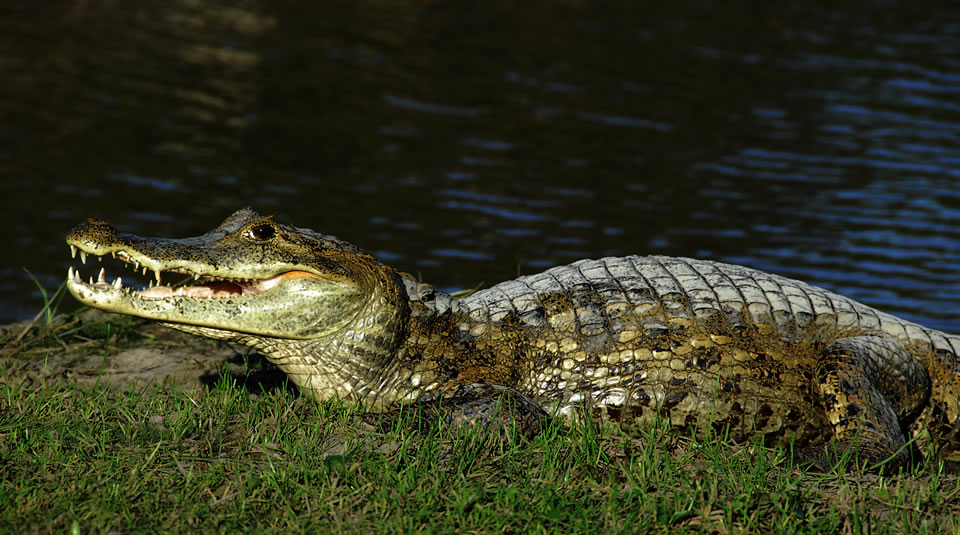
117	283
102	276
70	273
83	257
73	251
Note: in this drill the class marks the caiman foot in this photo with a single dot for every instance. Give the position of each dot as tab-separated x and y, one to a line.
495	408
824	458
867	385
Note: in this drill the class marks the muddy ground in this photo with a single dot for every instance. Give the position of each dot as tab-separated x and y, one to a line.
121	352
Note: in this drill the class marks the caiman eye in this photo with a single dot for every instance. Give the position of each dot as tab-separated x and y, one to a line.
263	232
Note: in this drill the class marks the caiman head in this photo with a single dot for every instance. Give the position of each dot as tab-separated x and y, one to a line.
303	298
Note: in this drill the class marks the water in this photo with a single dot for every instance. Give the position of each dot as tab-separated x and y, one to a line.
474	143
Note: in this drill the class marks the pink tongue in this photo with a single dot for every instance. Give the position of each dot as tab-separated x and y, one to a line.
230	288
213	289
224	288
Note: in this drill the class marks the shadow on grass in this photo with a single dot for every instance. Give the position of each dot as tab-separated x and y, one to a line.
261	376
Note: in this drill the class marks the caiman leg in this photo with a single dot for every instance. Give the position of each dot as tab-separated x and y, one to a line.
479	405
868	385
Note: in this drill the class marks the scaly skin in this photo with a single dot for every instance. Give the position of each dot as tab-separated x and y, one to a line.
700	344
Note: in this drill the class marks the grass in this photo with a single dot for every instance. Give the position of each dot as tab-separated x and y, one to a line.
51	302
98	456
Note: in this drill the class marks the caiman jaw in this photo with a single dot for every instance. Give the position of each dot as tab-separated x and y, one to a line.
248	277
207	286
288	304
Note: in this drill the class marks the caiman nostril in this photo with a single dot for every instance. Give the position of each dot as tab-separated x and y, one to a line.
93	228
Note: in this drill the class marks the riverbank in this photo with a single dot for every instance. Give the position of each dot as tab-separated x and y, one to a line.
111	424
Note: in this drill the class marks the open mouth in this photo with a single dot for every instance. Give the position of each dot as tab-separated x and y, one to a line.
187	282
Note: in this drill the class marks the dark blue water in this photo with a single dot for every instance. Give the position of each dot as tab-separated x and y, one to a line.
476	141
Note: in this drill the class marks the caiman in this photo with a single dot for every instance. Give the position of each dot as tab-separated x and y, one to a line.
705	346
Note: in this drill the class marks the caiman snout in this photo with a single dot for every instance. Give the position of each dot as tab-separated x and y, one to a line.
93	230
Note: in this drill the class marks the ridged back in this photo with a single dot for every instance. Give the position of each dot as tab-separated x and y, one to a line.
689	288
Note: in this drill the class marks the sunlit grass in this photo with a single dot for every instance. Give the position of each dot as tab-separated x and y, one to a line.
51	301
156	457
